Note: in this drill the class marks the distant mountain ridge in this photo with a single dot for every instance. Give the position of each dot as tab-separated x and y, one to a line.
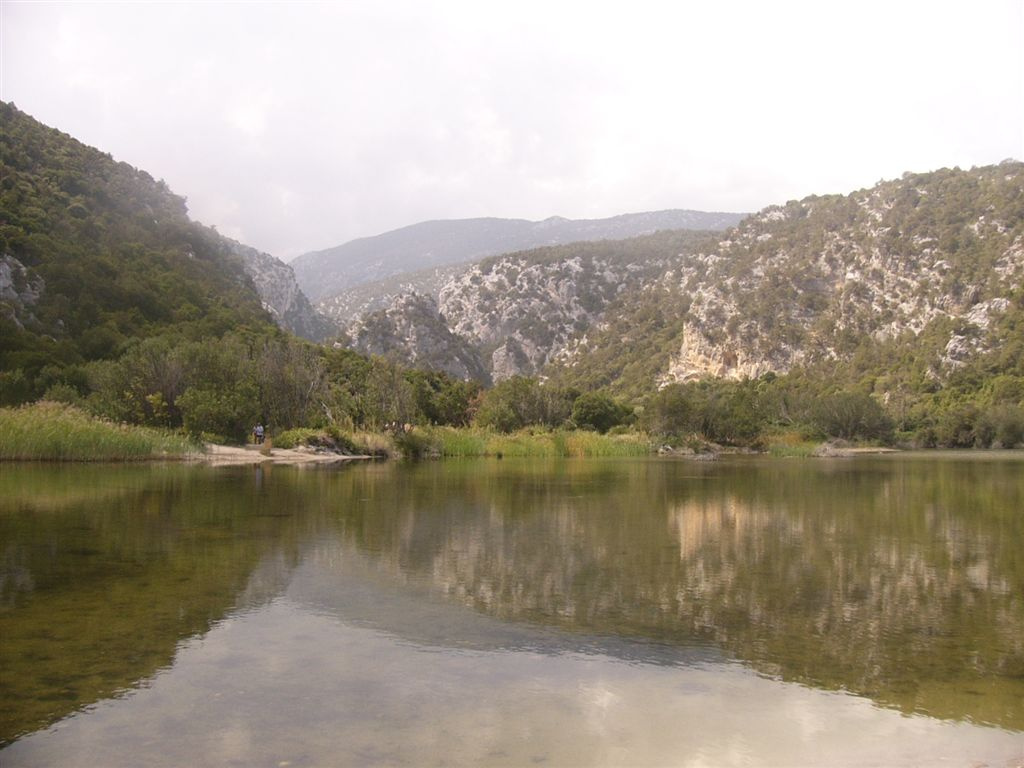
326	273
914	278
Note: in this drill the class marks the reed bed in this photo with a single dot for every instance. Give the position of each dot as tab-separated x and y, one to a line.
790	445
469	442
48	431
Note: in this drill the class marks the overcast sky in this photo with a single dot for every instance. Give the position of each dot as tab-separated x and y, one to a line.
299	126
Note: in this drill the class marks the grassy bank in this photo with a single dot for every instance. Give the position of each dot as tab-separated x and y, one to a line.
466	442
58	432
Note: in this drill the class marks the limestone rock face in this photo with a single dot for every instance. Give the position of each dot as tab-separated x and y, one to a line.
20	289
522	313
281	296
328	273
811	279
413	330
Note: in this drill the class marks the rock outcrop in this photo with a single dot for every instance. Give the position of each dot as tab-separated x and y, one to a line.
20	289
412	330
327	273
281	296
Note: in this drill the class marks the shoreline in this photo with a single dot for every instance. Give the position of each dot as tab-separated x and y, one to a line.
232	456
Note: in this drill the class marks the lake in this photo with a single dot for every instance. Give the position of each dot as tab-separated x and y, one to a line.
748	611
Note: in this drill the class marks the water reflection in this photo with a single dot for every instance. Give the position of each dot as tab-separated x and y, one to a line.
900	580
106	569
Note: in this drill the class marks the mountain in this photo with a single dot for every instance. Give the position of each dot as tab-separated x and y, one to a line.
413	329
366	298
914	277
95	254
326	273
281	296
518	311
911	279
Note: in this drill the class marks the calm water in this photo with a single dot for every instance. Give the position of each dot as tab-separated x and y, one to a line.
649	612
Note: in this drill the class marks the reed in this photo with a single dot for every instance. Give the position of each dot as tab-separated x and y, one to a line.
472	441
48	431
790	444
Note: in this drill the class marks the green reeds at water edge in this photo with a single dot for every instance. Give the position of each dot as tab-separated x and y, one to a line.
57	432
468	442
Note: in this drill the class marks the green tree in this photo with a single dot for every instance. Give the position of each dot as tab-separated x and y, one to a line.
598	411
520	401
851	416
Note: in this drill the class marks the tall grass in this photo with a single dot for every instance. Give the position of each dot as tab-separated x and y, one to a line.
49	431
790	444
468	442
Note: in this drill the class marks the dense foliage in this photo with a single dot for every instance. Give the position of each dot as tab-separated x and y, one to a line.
97	254
222	388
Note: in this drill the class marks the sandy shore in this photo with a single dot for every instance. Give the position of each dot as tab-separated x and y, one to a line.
230	455
837	452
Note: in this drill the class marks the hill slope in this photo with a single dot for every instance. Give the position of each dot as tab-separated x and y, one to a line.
282	298
921	275
929	262
94	253
323	274
516	312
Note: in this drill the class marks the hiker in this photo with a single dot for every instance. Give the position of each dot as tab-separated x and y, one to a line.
257	434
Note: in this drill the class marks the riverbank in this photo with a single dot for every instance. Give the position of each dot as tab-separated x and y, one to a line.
48	431
236	455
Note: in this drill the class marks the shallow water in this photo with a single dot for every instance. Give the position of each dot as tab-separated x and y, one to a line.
647	612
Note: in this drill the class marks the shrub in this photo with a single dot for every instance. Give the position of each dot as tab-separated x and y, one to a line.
598	411
851	416
1001	426
229	411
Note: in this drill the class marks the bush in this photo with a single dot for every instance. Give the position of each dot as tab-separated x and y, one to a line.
229	411
851	416
520	402
1001	426
415	444
955	427
669	413
598	411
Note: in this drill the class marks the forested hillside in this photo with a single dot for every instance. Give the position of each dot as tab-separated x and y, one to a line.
93	254
113	300
929	261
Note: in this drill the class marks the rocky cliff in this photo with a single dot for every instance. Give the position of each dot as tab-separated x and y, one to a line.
20	290
809	280
281	296
518	311
412	330
327	273
928	260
